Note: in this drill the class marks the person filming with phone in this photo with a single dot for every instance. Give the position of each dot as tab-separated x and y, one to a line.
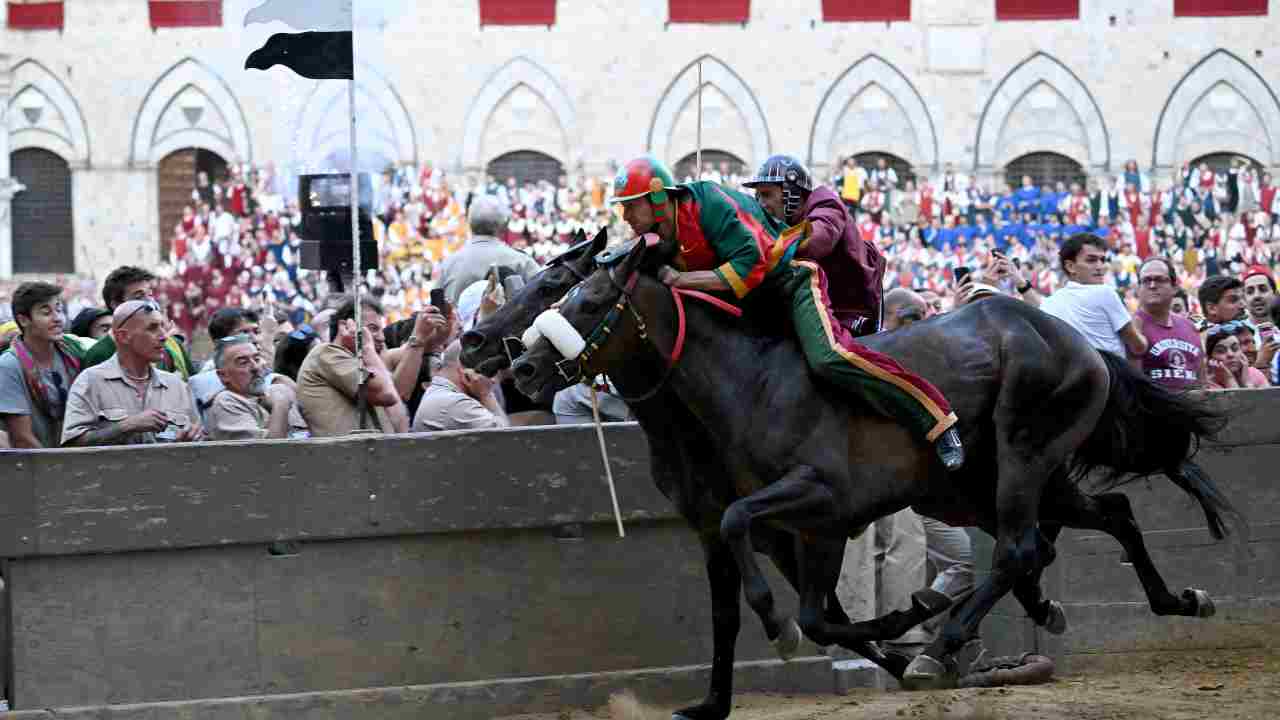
329	379
458	399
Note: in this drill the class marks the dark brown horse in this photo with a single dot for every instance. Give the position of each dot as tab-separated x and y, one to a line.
1039	408
683	462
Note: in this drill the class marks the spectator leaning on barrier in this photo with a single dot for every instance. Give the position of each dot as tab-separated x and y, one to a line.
248	407
125	400
484	250
1092	308
1228	367
37	371
458	399
134	283
328	380
1174	358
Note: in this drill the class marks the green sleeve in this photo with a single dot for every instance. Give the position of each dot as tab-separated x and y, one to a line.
739	238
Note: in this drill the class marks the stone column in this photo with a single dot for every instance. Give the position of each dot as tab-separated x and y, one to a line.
8	186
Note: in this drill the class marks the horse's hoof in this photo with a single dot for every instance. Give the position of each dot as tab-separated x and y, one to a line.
788	641
1056	622
927	673
1203	603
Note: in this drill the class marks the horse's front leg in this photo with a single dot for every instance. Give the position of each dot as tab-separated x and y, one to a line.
796	495
726	582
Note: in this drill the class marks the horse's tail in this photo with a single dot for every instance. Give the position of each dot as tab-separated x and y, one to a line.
1146	430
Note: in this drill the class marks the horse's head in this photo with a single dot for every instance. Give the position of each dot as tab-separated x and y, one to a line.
594	330
490	346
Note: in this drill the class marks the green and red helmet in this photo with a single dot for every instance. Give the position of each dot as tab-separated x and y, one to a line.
646	175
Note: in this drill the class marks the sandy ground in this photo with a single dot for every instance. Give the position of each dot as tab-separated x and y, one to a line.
1217	685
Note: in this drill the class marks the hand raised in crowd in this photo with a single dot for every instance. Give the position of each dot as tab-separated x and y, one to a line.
1002	269
1269	346
477	385
1222	375
152	421
277	394
432	328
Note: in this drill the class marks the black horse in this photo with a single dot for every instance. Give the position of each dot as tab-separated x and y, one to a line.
685	468
1039	407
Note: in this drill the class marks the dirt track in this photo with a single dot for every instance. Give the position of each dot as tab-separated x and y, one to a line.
1217	685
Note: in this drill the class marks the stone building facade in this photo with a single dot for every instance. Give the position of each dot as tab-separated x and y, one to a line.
108	99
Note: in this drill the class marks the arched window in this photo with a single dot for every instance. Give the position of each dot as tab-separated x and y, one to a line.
1044	168
1221	162
871	160
42	230
179	174
525	166
717	160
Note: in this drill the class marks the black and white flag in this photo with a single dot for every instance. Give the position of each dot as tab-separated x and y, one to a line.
324	52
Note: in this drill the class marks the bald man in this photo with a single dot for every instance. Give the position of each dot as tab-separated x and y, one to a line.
125	400
488	219
903	307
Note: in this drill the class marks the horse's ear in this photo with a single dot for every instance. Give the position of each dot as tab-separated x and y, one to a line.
599	242
579	235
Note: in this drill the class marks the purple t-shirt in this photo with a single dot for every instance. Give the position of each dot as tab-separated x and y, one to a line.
1174	354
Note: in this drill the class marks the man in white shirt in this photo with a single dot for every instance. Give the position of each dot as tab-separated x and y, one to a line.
1088	305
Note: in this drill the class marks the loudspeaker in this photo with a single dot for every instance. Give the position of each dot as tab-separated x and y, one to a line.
325	202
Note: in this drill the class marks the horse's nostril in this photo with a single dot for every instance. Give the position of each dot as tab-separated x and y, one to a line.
472	339
523	370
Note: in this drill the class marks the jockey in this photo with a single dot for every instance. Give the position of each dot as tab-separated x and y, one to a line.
727	243
854	267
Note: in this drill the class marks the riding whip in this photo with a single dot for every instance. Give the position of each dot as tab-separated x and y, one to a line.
604	453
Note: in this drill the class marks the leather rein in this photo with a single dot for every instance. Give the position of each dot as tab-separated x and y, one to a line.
625	302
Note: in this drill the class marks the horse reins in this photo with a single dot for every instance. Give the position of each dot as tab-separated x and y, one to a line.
605	328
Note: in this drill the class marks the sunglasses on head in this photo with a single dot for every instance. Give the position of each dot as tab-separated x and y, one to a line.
149	305
1226	328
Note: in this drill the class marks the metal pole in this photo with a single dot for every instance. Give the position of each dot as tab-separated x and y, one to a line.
699	161
356	273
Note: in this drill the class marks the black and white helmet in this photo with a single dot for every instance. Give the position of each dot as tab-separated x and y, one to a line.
794	178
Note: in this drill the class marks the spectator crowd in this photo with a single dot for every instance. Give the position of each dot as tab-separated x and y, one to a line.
280	350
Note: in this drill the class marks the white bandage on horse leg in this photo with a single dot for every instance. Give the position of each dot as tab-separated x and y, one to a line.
552	325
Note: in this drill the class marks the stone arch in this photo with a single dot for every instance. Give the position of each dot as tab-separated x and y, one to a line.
1241	114
886	113
516	74
385	126
681	95
1025	113
189	105
43	113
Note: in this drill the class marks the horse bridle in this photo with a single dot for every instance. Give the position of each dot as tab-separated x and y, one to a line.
604	329
514	346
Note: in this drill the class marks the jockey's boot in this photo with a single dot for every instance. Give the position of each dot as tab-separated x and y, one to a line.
950	449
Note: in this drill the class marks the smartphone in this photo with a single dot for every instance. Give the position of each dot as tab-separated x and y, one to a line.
437	299
961	273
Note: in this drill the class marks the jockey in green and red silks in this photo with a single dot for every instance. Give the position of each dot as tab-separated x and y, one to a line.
727	243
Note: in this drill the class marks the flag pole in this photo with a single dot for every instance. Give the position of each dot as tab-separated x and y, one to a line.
698	176
362	372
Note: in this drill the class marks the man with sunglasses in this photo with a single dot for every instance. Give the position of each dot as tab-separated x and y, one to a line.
125	400
38	369
1175	357
134	283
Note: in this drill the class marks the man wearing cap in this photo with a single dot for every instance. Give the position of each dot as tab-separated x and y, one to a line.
1259	290
725	242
